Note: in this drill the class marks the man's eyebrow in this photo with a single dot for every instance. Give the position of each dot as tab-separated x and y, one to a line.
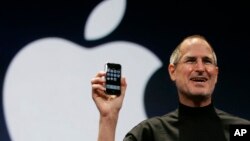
189	57
195	57
207	58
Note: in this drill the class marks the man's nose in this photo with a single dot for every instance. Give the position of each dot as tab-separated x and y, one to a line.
200	66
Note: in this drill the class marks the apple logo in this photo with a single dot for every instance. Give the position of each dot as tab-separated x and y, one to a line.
47	92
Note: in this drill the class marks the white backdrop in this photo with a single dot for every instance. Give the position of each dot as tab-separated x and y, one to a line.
47	92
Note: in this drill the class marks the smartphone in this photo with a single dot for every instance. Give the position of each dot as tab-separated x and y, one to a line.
113	78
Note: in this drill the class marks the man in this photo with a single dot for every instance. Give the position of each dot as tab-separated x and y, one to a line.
193	68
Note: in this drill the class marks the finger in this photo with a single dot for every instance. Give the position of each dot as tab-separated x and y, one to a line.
123	82
98	93
101	73
98	87
123	86
101	94
96	80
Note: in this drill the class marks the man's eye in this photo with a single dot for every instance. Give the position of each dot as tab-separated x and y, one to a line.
190	61
208	61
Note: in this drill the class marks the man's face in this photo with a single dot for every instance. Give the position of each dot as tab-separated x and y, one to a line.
195	74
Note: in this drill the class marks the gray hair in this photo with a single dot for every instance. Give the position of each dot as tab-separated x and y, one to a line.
176	54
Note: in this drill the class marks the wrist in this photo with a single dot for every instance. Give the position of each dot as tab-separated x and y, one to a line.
109	118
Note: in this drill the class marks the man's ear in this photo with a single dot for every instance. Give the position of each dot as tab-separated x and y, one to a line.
171	71
217	71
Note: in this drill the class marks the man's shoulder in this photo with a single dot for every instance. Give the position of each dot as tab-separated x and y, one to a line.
228	118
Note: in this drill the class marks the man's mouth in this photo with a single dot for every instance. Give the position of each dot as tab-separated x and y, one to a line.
199	79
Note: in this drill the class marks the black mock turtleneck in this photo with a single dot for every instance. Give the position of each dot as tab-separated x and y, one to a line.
186	124
200	124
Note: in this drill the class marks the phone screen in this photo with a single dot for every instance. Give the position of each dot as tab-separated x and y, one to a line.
113	78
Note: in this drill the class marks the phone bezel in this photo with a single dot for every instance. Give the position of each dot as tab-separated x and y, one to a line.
113	91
